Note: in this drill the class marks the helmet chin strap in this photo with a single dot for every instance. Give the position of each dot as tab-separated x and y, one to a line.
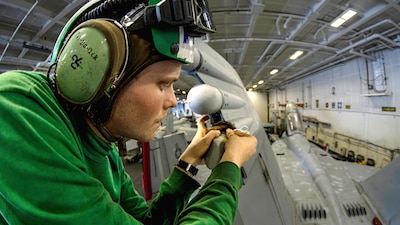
103	131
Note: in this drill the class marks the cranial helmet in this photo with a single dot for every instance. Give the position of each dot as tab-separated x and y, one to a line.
92	56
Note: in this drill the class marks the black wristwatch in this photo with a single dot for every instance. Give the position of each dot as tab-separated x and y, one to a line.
187	167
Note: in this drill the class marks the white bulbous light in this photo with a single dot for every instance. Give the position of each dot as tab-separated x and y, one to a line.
205	99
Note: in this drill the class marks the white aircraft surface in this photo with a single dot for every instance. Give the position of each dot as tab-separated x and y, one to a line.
293	182
322	189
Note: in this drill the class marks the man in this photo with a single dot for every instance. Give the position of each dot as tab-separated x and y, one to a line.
112	78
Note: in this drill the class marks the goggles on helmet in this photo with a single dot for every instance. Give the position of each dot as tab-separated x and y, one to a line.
174	24
193	15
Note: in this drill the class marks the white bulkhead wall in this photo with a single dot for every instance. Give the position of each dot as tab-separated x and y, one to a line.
353	108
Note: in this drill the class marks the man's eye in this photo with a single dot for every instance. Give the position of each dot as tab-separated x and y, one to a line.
166	85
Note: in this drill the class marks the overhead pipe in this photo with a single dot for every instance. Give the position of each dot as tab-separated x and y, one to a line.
298	29
320	30
50	23
265	52
278	30
278	41
256	8
309	17
352	51
17	29
292	64
310	72
281	48
326	63
376	25
377	10
324	67
275	41
394	4
287	22
366	40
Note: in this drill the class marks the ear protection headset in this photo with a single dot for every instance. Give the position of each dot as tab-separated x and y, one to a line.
91	53
92	61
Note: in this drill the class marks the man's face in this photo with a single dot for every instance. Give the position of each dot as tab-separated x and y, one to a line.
143	103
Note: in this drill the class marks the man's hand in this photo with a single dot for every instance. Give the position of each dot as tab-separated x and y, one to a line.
239	147
200	143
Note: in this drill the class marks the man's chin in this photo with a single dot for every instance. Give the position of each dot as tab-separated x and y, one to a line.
149	137
145	139
158	132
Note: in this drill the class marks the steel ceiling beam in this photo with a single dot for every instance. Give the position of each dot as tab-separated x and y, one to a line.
17	29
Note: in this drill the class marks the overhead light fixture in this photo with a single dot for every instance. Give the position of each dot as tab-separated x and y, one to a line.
250	89
255	86
349	13
346	15
296	55
274	71
260	82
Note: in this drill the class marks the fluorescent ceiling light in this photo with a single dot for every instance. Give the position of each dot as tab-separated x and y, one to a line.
349	13
250	89
274	71
296	55
337	22
260	82
254	86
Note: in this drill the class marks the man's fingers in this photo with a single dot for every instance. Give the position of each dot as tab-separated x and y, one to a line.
201	123
203	118
229	133
212	134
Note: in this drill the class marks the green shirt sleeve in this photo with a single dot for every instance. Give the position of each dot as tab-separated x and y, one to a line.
217	201
173	196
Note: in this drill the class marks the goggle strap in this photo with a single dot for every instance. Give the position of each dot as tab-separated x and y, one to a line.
151	17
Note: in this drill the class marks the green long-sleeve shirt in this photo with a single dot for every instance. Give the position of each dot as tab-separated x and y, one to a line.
49	174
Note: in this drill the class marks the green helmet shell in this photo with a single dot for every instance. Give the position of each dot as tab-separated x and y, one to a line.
172	41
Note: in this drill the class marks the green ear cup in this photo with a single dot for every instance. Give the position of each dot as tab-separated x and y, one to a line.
92	59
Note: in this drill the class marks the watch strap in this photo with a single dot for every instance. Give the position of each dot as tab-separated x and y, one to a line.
187	167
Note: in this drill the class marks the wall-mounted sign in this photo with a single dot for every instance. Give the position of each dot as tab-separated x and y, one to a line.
389	109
